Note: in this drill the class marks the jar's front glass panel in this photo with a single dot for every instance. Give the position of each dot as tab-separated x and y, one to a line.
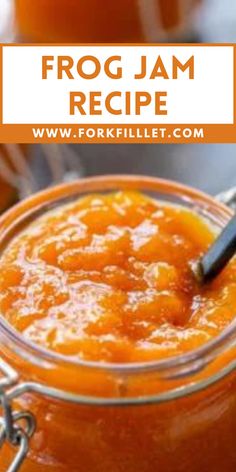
105	21
195	433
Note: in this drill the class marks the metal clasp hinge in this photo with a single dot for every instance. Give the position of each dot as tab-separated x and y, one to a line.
16	428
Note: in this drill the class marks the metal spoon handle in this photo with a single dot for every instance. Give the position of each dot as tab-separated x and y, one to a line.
219	254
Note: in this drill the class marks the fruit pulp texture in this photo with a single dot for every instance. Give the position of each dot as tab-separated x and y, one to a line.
96	21
108	278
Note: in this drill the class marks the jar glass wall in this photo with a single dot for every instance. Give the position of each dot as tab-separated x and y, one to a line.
175	415
94	21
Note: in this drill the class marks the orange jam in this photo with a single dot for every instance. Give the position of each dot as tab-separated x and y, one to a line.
102	20
108	278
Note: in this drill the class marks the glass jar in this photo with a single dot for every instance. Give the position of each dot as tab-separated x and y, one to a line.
95	21
174	415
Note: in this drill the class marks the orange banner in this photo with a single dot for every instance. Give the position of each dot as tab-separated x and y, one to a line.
118	134
95	94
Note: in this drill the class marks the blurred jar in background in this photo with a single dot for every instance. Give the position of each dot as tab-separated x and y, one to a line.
7	195
26	169
16	179
7	191
105	20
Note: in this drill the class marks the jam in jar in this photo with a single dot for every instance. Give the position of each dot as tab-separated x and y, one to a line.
95	21
124	360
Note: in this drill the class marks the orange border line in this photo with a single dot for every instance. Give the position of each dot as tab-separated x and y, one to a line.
1	85
120	44
228	131
234	74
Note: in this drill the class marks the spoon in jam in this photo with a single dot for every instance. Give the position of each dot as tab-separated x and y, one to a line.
218	255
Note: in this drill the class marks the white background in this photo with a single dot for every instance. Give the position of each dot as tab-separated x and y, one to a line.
27	99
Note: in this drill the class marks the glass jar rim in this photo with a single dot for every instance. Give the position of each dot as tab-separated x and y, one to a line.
25	211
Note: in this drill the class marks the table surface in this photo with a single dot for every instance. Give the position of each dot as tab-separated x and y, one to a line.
210	167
